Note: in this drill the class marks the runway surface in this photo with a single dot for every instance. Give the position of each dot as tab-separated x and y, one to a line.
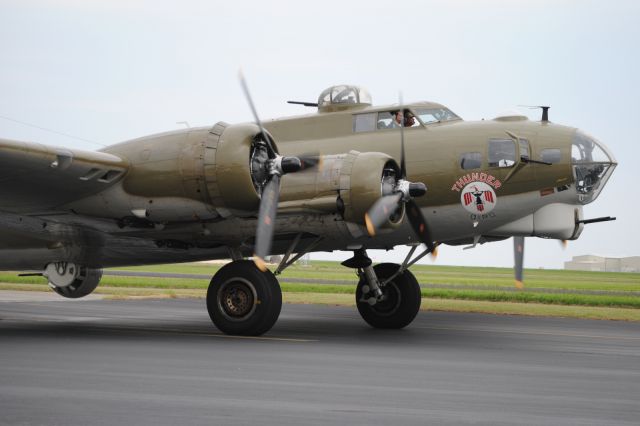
161	362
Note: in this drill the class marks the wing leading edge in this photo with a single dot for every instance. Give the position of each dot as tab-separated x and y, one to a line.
36	177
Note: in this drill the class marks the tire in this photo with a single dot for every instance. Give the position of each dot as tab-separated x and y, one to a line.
242	300
402	303
81	286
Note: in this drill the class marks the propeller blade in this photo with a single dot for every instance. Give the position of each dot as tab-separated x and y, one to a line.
419	225
518	254
434	253
247	95
380	211
266	221
403	166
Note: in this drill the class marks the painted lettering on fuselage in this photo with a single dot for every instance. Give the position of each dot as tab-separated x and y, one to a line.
476	177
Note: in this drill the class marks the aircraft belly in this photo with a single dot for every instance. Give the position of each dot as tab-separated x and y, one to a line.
31	242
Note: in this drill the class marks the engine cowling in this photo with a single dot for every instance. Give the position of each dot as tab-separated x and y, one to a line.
238	168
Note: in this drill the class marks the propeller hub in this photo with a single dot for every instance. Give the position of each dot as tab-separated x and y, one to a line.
283	165
410	189
417	189
290	164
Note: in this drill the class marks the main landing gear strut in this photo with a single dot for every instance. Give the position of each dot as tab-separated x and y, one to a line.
385	297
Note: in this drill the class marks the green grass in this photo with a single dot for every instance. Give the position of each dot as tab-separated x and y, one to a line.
436	274
462	276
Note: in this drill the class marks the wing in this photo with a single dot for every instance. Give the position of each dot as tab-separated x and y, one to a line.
36	177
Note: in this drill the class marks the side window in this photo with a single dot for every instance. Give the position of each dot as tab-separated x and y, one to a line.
502	153
384	120
471	160
525	152
550	155
364	122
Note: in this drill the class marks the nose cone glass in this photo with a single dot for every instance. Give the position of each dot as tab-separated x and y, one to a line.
593	164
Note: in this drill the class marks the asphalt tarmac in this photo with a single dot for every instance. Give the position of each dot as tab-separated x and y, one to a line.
161	362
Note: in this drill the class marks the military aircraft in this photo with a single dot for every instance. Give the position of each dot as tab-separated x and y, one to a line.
349	176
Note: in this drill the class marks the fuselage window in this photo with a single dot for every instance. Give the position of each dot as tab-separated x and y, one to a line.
502	153
364	122
471	160
550	155
525	152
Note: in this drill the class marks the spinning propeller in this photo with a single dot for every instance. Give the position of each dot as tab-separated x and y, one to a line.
518	257
401	191
271	166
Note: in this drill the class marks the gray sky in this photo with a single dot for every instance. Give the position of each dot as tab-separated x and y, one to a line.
111	70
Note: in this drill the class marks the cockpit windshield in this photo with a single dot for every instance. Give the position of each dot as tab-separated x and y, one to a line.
435	115
592	166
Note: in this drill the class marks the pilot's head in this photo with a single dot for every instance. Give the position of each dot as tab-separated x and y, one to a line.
409	119
397	116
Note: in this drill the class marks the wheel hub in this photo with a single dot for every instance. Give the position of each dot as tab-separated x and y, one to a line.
390	300
237	299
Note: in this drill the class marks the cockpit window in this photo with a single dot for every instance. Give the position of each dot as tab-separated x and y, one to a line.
393	119
435	115
385	120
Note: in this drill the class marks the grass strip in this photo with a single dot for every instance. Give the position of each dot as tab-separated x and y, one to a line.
632	302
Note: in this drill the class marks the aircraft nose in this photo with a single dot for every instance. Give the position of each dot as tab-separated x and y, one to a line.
593	164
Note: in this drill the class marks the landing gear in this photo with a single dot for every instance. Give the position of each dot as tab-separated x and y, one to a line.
70	280
243	300
392	305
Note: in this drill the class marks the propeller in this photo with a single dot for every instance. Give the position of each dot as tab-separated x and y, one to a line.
402	192
270	170
518	255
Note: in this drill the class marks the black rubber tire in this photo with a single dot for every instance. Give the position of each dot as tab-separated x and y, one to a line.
403	299
81	287
242	300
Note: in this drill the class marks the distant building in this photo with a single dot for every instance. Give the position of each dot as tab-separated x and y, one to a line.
603	264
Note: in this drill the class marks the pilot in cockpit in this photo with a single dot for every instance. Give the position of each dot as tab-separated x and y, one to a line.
409	119
402	119
397	120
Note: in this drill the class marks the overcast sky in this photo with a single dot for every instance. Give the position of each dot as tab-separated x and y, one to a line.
108	71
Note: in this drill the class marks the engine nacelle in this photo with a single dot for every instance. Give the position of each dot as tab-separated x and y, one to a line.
203	174
237	171
222	171
346	184
70	280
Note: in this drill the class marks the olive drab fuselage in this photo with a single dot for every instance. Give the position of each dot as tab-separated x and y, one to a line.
191	194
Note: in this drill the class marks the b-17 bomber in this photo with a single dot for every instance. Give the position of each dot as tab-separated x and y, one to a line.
349	176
